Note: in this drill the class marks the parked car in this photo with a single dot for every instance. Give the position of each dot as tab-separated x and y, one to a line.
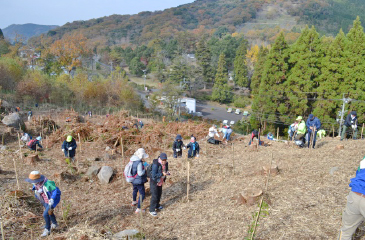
225	122
238	111
245	113
229	110
231	123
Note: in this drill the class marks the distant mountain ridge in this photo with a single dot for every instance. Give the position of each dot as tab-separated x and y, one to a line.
26	31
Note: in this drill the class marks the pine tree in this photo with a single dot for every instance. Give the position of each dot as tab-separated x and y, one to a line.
304	63
221	90
240	68
204	60
1	34
354	80
268	103
330	81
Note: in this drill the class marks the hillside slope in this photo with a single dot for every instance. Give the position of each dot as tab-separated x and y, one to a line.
207	16
26	31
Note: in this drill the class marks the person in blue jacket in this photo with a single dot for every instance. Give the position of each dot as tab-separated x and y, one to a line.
69	147
158	176
351	121
313	125
193	147
49	195
354	213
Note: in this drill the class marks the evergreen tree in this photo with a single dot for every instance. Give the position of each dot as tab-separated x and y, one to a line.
204	59
304	63
259	67
221	90
270	100
240	68
330	81
354	77
1	35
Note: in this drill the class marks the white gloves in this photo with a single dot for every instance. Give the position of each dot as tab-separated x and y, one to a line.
197	155
63	150
50	202
353	126
40	190
184	148
177	150
70	148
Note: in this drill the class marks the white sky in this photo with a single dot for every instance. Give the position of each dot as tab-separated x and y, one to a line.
59	12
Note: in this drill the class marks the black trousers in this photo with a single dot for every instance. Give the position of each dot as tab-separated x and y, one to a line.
156	192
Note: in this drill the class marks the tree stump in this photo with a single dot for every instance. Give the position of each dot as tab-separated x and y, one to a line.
274	170
340	147
10	130
252	195
31	159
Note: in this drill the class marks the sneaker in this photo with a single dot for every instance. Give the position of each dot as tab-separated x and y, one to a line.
134	203
138	210
159	208
54	226
153	214
45	233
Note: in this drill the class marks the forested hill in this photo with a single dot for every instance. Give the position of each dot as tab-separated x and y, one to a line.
25	31
219	16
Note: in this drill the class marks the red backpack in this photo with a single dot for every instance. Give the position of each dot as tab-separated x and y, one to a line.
32	142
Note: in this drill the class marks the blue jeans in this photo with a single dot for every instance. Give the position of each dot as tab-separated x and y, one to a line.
309	137
138	188
227	136
48	218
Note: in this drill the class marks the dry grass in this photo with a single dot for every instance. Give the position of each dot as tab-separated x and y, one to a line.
305	200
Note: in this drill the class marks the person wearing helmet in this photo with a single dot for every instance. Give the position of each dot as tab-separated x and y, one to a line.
301	130
69	147
32	144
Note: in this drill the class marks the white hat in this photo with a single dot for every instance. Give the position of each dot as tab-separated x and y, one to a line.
141	153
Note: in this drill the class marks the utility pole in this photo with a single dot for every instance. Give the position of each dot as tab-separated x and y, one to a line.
344	101
144	72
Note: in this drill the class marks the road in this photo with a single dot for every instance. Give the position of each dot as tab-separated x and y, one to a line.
219	113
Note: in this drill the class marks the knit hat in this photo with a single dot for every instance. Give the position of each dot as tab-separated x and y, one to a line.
69	138
35	177
178	137
354	113
311	116
163	156
141	153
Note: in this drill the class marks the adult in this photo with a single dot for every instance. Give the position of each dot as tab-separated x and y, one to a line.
313	125
227	133
139	171
212	133
193	147
69	147
49	195
301	130
354	213
177	146
32	144
30	114
157	175
351	121
292	129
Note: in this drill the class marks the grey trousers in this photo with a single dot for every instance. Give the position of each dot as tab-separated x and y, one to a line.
352	216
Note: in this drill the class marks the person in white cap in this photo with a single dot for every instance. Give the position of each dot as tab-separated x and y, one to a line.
49	195
138	170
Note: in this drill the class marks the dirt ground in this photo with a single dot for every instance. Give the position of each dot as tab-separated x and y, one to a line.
303	201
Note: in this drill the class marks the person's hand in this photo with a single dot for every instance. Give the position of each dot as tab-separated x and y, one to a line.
63	150
51	202
40	190
163	173
70	148
197	155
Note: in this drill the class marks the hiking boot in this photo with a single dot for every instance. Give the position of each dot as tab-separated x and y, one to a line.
153	214
54	226
160	207
45	233
138	210
134	203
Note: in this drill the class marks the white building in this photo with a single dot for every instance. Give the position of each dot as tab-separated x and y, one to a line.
190	104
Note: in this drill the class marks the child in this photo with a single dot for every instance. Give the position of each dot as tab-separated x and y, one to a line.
177	146
193	148
49	195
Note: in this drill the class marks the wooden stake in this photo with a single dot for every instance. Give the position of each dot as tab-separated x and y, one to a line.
79	141
20	147
233	158
362	129
188	182
333	131
2	139
46	142
247	129
277	134
16	174
2	231
121	144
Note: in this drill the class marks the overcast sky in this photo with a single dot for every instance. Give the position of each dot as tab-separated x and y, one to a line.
59	12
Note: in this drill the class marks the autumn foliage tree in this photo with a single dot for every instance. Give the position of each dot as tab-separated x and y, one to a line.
69	50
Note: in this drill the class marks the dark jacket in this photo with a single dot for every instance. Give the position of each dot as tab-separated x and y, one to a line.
193	149
177	145
66	145
315	122
141	177
358	183
33	147
349	121
156	172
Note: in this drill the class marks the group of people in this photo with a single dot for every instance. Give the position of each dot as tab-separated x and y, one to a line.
213	131
303	132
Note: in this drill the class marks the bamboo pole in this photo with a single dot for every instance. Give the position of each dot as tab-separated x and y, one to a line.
188	181
122	146
2	139
362	129
333	131
233	158
2	231
16	174
277	134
